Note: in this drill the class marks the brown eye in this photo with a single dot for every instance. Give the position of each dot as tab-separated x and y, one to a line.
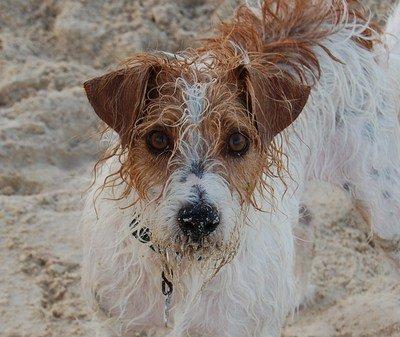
238	144
158	142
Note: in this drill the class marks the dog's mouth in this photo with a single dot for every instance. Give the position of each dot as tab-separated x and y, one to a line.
182	245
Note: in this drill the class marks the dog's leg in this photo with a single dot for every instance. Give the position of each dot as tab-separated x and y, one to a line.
391	245
373	179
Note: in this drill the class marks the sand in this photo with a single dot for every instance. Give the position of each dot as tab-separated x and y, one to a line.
49	142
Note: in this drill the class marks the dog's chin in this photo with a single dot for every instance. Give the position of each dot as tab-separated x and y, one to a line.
185	249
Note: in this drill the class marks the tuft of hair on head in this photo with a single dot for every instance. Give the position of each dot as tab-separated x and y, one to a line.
271	52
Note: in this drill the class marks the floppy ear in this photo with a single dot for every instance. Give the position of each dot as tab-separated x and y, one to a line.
274	101
119	97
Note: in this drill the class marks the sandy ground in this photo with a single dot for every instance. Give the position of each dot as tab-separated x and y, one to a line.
48	143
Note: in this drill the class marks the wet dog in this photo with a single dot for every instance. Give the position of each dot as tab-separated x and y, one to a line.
189	228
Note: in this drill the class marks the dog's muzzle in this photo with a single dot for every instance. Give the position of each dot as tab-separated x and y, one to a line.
198	220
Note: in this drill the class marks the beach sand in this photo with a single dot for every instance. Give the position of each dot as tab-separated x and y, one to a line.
49	141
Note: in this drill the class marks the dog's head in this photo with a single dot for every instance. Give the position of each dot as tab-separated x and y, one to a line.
196	140
198	130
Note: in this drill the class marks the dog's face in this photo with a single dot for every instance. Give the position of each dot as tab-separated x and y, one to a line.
195	142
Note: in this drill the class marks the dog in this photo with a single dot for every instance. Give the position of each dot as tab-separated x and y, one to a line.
190	226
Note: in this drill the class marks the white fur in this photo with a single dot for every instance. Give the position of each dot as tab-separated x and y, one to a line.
348	134
195	100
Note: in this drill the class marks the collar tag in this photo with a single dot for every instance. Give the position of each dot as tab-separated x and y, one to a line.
167	289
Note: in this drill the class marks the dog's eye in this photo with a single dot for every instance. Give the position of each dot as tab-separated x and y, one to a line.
238	144
158	142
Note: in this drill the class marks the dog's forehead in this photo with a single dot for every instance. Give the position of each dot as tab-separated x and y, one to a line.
194	94
195	101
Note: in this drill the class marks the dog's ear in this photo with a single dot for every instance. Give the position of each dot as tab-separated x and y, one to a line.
274	101
118	98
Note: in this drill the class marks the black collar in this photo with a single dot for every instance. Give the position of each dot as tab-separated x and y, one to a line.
142	234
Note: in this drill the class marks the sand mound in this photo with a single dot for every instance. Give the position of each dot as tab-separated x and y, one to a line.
49	142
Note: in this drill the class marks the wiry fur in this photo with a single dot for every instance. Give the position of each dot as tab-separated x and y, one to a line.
265	61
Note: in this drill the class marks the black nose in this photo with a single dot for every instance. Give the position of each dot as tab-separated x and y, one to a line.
198	220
